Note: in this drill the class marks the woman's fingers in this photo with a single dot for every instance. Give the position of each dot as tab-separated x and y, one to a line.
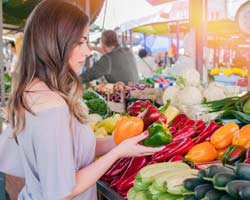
141	137
150	150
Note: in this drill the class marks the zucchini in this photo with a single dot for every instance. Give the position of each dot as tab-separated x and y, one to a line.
171	182
131	194
214	169
227	197
147	174
244	192
153	190
191	183
174	183
201	190
221	179
140	186
167	196
214	194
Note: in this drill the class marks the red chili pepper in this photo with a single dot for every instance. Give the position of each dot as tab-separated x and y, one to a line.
114	182
189	122
181	146
178	118
138	107
176	158
247	160
199	126
126	184
172	129
187	131
152	114
123	194
167	148
134	166
118	168
207	132
180	125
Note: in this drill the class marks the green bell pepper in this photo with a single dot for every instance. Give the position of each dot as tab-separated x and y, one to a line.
234	155
158	135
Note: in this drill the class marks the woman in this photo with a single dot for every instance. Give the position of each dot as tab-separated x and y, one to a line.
54	149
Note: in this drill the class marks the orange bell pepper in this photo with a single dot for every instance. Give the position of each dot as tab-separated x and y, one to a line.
203	152
127	127
242	138
223	137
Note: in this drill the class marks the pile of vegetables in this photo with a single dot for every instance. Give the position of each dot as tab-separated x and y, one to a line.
231	108
220	183
161	181
96	103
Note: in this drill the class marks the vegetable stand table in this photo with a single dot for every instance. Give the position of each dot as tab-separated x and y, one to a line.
106	193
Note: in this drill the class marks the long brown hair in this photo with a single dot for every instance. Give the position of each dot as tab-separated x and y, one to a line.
53	29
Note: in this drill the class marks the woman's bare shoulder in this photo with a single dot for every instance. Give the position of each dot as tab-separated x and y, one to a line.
39	97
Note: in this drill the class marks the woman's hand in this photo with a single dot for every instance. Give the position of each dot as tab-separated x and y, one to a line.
131	148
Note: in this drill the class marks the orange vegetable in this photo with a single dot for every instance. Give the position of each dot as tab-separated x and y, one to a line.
203	152
221	153
242	138
127	127
223	137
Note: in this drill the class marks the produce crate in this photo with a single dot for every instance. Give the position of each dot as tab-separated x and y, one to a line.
106	193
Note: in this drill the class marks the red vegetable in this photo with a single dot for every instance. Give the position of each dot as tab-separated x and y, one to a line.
178	118
118	168
177	147
247	159
172	129
199	126
207	132
189	122
176	158
126	180
138	107
152	114
187	131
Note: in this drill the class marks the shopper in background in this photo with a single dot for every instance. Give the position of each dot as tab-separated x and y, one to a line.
14	58
145	64
117	63
47	141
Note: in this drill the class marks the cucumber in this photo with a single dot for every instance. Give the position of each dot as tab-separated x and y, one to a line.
201	190
221	179
191	197
191	183
233	187
244	192
214	169
214	194
227	197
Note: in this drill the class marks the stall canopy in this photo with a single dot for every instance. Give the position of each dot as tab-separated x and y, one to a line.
15	12
114	13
